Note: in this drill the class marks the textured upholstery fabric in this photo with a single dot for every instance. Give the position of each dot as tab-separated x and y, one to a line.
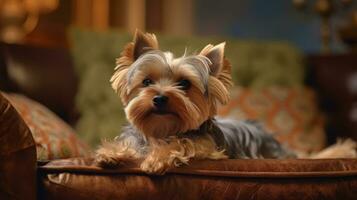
228	179
290	114
54	138
17	155
255	64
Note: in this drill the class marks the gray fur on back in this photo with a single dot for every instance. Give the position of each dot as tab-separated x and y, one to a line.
247	139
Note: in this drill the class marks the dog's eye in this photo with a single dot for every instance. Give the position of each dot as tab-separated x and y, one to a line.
147	82
184	84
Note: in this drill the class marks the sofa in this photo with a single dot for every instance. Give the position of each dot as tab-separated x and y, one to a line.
25	175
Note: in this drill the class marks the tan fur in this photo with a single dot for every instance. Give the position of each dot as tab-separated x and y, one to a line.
112	154
188	116
342	149
163	155
176	152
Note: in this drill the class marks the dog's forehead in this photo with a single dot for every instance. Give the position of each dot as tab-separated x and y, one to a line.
166	62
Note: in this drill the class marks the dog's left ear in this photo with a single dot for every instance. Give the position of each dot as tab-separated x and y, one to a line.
220	79
216	55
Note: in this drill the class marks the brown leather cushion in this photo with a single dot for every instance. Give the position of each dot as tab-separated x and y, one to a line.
227	179
17	155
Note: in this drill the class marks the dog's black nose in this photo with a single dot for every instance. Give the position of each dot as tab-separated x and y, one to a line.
160	100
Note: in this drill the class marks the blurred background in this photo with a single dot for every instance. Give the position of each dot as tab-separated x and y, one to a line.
298	21
294	61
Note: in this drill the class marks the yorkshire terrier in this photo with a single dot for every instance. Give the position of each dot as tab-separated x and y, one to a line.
171	105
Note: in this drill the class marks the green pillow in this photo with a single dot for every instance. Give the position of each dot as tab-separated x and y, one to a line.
255	64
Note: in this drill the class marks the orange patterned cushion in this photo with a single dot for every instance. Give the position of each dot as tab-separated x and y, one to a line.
291	114
54	138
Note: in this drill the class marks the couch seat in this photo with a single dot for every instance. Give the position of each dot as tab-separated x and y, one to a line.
299	179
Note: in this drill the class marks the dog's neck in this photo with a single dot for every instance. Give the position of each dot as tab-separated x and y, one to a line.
209	127
205	127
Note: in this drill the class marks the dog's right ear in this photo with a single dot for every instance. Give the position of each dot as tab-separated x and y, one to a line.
143	42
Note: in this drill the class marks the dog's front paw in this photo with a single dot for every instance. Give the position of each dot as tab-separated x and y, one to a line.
154	166
106	160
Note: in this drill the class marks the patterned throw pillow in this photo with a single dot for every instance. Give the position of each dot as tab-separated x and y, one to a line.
291	114
54	138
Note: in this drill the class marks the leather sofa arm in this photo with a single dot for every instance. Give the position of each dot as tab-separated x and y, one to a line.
17	155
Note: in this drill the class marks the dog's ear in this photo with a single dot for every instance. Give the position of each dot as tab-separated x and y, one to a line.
220	79
216	55
143	42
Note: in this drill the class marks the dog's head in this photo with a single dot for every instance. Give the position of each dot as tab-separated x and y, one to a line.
164	95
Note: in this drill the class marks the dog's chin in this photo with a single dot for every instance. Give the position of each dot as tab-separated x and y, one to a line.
159	123
163	112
